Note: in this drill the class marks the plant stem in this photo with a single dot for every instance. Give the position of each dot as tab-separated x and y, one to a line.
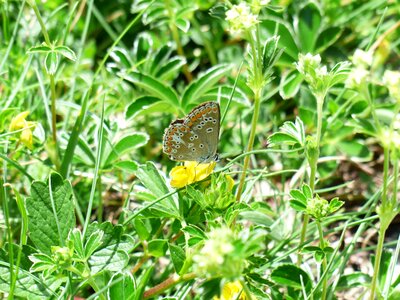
175	36
171	281
377	263
53	110
313	172
257	89
257	100
324	263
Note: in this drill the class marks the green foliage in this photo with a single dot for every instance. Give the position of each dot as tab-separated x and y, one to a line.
308	144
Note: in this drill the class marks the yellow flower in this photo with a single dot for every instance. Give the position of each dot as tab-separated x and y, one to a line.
26	138
231	291
19	122
191	172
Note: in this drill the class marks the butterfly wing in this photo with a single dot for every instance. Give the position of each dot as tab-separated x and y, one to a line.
194	138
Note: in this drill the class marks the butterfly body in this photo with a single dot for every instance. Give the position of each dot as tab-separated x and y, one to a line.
195	137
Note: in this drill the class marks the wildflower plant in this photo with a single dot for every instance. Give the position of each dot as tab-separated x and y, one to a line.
306	100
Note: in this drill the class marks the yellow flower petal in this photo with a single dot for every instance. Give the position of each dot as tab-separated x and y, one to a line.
191	172
181	176
230	181
202	171
27	138
19	122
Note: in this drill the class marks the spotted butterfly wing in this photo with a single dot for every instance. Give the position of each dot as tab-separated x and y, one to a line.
195	137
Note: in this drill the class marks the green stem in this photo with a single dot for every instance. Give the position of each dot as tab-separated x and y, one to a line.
378	256
100	208
324	262
42	26
257	89
53	109
257	100
175	36
313	173
168	283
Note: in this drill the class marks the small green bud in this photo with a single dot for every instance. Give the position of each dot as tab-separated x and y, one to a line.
317	207
62	256
312	150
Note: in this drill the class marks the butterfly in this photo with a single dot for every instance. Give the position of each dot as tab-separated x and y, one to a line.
196	136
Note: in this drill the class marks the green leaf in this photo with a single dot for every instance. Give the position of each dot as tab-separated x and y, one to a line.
122	286
143	283
307	191
326	38
76	237
142	228
178	257
39	49
308	26
171	68
256	217
51	62
138	105
66	52
128	166
27	286
154	87
319	256
157	247
354	148
51	212
310	249
114	256
151	178
297	205
93	242
281	138
126	144
196	234
183	24
204	83
290	84
353	280
298	195
289	275
335	204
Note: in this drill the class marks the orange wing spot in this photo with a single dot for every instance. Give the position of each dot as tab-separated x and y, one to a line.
215	110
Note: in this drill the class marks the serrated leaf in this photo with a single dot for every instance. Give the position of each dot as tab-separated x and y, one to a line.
256	217
50	212
66	52
27	285
113	257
